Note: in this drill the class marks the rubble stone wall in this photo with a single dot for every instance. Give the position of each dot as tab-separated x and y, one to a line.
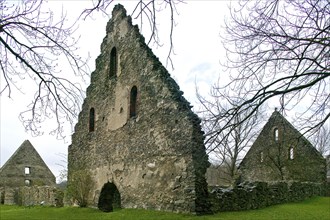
155	157
28	196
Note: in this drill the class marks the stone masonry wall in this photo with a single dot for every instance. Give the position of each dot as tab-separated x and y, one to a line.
12	173
157	158
270	160
27	196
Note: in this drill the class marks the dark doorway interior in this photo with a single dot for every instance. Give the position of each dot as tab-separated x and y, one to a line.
2	197
109	198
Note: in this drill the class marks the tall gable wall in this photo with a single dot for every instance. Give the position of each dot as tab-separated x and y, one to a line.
156	157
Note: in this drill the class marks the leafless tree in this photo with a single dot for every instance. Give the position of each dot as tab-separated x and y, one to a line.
37	45
321	140
228	147
277	157
63	163
34	44
279	49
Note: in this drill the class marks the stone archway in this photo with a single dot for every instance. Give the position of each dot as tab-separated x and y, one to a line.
109	198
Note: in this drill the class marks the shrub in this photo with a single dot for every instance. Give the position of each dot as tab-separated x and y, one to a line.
59	197
80	186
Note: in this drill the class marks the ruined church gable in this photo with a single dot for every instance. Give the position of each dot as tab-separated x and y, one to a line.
136	129
281	152
26	168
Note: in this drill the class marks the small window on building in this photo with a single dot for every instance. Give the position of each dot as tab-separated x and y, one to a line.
27	182
91	120
113	63
261	157
27	170
276	134
291	153
133	101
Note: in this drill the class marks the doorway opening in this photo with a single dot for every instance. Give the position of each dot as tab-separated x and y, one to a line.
109	198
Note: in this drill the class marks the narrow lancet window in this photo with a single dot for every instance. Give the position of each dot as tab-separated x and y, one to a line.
276	134
261	157
133	100
113	63
291	153
91	120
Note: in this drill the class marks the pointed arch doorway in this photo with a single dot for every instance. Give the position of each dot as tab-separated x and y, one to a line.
109	198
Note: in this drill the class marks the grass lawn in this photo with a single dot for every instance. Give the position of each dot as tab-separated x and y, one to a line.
315	208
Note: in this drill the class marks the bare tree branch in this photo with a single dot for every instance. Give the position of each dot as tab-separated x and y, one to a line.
229	146
35	46
321	140
279	49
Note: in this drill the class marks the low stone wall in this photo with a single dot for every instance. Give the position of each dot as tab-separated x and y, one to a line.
34	195
256	195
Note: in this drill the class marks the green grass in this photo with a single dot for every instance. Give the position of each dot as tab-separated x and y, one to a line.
315	208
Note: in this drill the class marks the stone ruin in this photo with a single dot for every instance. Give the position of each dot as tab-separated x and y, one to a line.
25	179
31	196
137	131
282	153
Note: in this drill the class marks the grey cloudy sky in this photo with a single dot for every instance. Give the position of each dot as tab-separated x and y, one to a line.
197	48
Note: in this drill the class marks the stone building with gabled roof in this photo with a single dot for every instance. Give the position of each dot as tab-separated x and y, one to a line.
137	131
26	168
282	153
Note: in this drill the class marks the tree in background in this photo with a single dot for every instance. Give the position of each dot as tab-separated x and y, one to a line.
321	140
227	148
279	49
62	178
37	44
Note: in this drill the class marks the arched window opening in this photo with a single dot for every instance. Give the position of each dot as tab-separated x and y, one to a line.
91	120
27	182
276	134
113	63
109	198
291	153
133	101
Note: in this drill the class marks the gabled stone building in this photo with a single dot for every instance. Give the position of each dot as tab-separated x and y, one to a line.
137	131
26	168
25	179
282	153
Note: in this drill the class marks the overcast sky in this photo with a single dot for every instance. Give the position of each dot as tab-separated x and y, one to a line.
197	48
